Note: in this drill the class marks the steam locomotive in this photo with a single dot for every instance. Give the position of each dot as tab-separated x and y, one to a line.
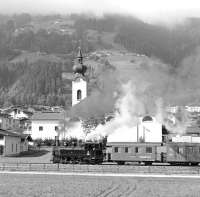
87	152
181	153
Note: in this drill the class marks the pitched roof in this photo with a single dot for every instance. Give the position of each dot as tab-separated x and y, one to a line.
9	133
48	116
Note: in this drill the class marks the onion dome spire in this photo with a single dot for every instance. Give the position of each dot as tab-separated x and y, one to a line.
78	63
80	55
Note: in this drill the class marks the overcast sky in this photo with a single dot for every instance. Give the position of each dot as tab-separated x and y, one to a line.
149	10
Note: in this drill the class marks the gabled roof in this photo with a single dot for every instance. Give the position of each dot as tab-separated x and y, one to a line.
9	133
48	116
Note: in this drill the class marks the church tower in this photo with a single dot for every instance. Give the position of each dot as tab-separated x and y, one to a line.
79	83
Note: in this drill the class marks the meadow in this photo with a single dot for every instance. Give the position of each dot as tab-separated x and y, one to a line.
16	185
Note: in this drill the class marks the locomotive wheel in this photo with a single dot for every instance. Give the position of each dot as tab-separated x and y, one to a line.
120	162
147	163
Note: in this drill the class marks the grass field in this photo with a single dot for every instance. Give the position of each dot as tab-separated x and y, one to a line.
38	156
80	186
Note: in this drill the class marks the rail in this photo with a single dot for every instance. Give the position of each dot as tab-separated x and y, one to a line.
154	169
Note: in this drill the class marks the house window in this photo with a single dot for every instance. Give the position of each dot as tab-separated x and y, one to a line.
148	149
40	128
126	149
116	150
136	149
79	95
56	128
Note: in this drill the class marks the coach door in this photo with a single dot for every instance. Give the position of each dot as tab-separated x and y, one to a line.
1	149
190	153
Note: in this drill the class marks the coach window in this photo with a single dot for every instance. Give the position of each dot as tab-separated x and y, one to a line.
177	150
126	149
148	149
181	150
191	149
116	150
136	149
40	128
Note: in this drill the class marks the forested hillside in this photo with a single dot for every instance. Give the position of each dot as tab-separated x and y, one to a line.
35	51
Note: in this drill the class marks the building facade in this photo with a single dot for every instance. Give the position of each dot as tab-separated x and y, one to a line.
46	125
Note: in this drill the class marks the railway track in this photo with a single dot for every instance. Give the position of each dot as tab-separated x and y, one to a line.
104	168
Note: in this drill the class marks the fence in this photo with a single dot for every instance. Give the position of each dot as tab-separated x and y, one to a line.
99	168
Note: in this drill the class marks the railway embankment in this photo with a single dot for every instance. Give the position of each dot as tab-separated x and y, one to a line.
122	169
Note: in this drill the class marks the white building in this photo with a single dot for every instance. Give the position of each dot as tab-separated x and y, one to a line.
12	143
193	108
47	125
17	113
147	130
7	122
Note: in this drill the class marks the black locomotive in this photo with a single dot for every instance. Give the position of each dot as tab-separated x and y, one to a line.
81	152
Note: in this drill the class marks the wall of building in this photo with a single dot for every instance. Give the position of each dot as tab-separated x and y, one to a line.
78	84
9	123
12	145
48	131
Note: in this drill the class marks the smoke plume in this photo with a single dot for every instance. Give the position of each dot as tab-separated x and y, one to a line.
149	90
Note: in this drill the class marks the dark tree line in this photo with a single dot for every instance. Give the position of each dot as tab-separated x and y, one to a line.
36	83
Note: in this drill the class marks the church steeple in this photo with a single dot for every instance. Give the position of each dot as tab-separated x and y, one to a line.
78	63
79	83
